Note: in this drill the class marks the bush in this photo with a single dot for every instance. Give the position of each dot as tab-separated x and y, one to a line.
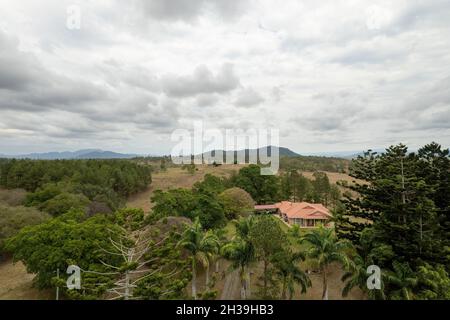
13	198
13	219
236	202
63	202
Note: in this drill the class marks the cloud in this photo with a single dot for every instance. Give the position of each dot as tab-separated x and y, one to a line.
202	81
353	74
248	98
207	100
191	10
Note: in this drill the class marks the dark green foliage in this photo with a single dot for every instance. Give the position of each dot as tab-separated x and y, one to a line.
298	188
174	202
313	163
63	202
211	185
397	202
129	218
13	219
325	248
434	283
286	264
190	204
104	181
168	270
295	186
62	241
263	189
268	238
404	212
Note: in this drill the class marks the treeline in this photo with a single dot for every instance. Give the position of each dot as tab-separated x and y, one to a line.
400	221
314	163
58	185
290	185
296	187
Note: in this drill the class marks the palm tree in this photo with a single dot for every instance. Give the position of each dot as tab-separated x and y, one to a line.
221	235
368	253
403	279
241	252
243	227
211	252
200	244
286	264
324	249
356	276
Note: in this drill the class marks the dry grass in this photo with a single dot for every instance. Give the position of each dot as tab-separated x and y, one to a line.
17	284
175	177
335	285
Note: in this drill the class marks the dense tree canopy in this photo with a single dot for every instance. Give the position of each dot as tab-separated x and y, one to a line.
62	241
405	204
13	219
236	202
190	204
74	183
263	189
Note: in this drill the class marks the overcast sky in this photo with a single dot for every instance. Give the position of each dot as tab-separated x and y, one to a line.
331	75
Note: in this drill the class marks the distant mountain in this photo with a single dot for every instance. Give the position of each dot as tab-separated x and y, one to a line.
283	152
67	155
106	155
345	154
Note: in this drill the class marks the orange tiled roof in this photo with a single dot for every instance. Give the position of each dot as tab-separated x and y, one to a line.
303	210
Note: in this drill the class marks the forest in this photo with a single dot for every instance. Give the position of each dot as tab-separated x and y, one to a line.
397	220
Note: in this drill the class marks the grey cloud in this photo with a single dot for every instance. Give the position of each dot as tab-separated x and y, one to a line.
428	108
190	10
420	12
17	69
337	111
248	98
117	73
207	100
26	85
201	81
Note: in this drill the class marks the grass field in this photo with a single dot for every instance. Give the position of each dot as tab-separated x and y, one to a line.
17	284
175	177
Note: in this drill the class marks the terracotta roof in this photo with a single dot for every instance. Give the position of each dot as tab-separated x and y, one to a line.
266	207
302	210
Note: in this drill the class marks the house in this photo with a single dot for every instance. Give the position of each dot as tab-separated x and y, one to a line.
304	214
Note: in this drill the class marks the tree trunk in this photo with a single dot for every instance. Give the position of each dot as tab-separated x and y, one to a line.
325	285
217	265
403	191
421	233
243	283
265	278
283	291
207	276
249	290
127	286
194	280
